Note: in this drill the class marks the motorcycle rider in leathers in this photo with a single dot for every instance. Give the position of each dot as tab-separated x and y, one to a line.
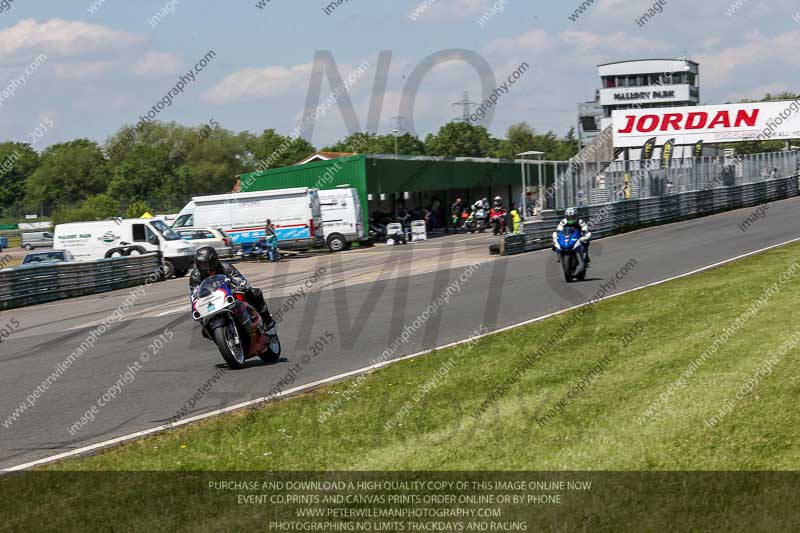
571	220
207	264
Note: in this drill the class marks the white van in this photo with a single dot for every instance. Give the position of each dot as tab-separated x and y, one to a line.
88	241
295	213
342	218
37	239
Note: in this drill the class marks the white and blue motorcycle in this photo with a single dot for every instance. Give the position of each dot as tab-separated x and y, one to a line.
570	247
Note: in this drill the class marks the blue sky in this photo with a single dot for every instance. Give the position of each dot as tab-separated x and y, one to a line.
107	68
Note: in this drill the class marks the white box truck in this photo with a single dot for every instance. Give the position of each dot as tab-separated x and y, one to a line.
101	239
295	213
342	218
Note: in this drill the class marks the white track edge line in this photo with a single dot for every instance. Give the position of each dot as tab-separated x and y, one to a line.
364	370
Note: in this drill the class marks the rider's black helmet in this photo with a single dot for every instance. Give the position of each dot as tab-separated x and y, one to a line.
206	260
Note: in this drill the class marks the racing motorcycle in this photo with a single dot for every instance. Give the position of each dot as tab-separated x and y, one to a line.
476	221
234	325
498	220
377	231
570	247
264	249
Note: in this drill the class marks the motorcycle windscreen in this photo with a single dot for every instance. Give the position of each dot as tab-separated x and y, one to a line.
210	286
568	238
213	295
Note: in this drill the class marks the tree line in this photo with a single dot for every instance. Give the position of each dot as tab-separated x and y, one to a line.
159	167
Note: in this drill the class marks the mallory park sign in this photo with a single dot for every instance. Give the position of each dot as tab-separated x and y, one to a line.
644	95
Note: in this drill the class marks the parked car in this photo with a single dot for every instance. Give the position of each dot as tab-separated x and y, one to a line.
52	256
213	237
37	239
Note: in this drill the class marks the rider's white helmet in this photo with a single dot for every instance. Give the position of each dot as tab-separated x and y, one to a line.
571	213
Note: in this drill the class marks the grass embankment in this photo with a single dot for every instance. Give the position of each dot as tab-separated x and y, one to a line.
643	342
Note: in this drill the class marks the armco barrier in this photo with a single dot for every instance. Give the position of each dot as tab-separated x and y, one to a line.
34	284
618	217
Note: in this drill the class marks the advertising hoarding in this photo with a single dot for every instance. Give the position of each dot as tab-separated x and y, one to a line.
709	124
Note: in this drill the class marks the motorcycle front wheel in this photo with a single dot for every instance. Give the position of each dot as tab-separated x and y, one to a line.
273	351
230	345
568	266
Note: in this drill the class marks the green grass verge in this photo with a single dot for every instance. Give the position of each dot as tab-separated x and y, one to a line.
645	340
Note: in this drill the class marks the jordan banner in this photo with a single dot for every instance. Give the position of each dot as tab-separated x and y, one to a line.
756	121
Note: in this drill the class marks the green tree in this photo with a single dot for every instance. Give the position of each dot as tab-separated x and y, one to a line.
460	139
407	144
208	163
17	162
359	143
136	209
369	143
102	207
522	138
64	215
165	164
143	170
68	173
273	150
519	138
569	146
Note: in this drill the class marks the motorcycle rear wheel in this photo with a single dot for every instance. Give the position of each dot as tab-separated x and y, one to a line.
230	345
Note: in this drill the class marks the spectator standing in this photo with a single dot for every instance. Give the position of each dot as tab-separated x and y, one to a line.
516	219
456	210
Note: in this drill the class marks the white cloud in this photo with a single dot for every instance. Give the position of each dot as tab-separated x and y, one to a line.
82	70
535	40
256	83
266	82
63	37
618	42
757	93
446	10
155	63
59	38
619	8
718	67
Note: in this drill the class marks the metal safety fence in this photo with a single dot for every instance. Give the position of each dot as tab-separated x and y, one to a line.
34	284
620	216
587	184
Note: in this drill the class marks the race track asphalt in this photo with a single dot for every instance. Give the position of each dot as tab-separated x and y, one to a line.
363	298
